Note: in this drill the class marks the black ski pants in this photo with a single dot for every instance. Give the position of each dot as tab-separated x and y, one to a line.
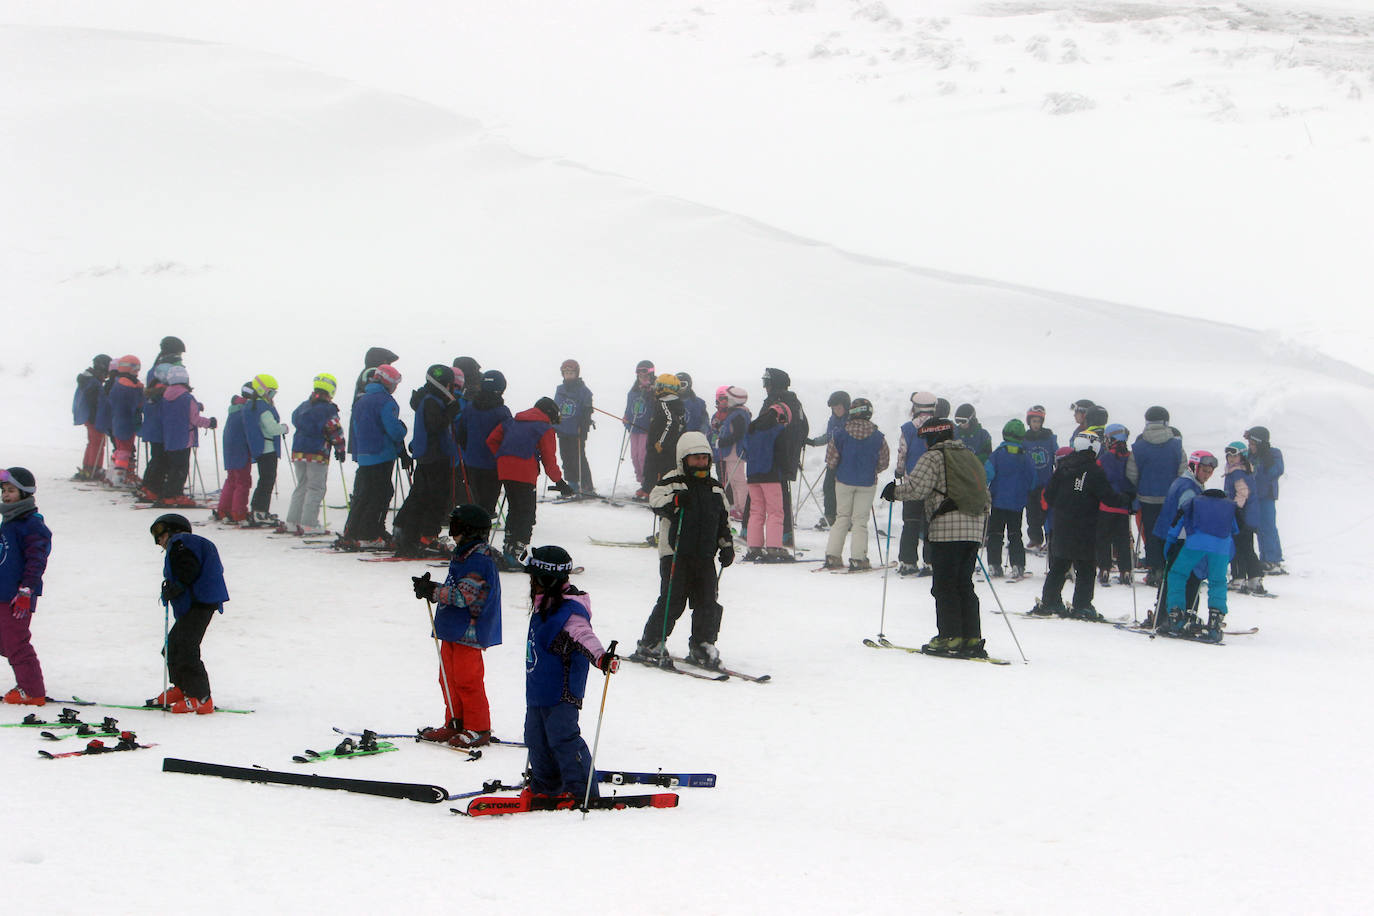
913	532
184	667
1114	534
694	580
1008	520
956	603
267	480
486	488
155	474
576	471
1035	518
176	466
429	502
1079	553
372	492
520	511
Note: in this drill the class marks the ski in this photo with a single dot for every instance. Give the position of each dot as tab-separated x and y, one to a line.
882	643
495	741
127	742
430	794
107	729
148	708
1152	634
347	748
599	542
673	669
666	780
488	787
721	669
519	804
852	571
68	719
1100	619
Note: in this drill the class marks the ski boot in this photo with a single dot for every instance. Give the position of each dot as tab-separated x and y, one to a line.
780	555
1042	609
1086	612
1125	578
1216	626
906	569
1017	574
943	645
172	695
859	565
924	572
754	555
996	571
18	697
467	739
651	654
201	707
1173	623
972	647
1255	586
440	734
705	655
833	563
1104	578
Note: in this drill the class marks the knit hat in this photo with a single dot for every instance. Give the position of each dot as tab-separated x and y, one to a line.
22	478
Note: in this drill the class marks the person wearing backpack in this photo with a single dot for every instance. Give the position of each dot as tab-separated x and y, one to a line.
951	481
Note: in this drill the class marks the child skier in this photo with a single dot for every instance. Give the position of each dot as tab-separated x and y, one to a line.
150	431
694	415
765	452
838	402
1011	478
1074	493
1114	521
971	432
1040	444
666	424
729	426
520	445
693	531
180	421
1188	486
432	495
318	432
857	453
638	405
85	404
25	543
126	407
1208	523
467	621
487	412
263	431
1159	460
560	649
924	406
238	463
1268	464
1247	573
574	400
777	385
379	437
193	586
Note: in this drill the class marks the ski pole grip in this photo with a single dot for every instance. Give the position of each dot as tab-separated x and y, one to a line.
610	650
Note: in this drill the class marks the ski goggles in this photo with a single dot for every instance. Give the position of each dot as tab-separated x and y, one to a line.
1207	461
961	421
7	477
1232	450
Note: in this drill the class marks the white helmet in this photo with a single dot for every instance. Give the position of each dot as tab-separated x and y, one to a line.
1088	440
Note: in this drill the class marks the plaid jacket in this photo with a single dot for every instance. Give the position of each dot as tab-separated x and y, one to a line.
927	481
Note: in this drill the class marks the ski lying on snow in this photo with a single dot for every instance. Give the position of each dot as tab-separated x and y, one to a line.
666	780
346	748
519	804
599	542
127	742
882	643
1150	631
1029	616
413	791
68	719
721	669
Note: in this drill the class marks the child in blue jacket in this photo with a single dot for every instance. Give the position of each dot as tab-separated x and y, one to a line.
1011	478
468	621
25	543
1209	524
193	588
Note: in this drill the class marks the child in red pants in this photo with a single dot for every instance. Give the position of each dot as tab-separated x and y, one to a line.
25	543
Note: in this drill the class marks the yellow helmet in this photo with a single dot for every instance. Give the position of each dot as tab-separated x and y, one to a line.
326	383
667	384
264	385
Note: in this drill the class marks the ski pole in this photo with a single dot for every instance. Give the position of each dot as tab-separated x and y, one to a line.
166	662
344	480
882	558
668	596
624	438
443	670
1135	616
882	618
596	742
1005	617
214	440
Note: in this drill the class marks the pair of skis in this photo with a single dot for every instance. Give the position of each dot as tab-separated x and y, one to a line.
882	643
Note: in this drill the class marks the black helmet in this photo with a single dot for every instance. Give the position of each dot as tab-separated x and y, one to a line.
936	430
549	566
860	409
1258	434
941	408
548	408
468	523
838	397
494	381
1156	414
169	524
686	379
965	412
172	345
439	376
101	362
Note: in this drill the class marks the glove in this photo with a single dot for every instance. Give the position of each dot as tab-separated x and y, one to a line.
214	424
171	590
339	453
425	586
407	462
564	488
22	603
890	491
284	430
591	424
608	663
727	556
658	447
470	634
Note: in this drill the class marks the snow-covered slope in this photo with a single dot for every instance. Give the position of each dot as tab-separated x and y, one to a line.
283	218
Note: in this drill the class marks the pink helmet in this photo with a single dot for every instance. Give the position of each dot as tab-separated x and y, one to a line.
387	375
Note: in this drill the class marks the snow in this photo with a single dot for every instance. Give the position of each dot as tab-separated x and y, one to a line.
1009	205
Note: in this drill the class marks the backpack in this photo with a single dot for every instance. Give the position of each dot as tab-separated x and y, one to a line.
967	483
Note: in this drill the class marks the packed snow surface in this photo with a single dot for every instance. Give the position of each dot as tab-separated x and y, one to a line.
1006	204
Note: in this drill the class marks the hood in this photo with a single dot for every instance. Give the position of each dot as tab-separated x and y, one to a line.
1156	433
692	443
533	415
379	356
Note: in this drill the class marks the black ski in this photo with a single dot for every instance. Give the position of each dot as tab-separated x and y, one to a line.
419	792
